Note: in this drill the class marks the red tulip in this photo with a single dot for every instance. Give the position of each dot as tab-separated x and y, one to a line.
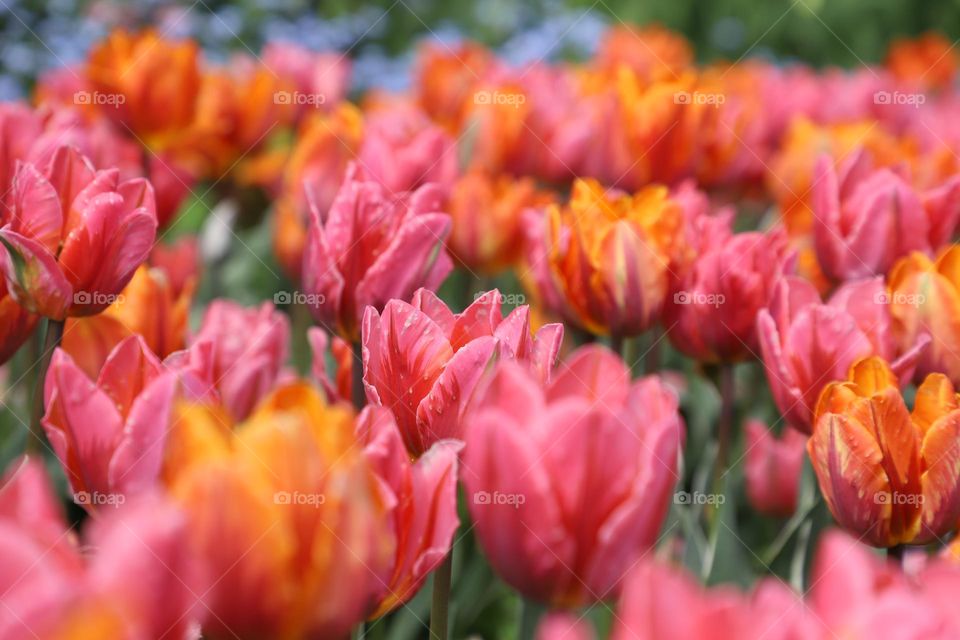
569	481
371	247
773	466
109	434
864	219
712	313
76	235
249	347
424	496
807	344
424	362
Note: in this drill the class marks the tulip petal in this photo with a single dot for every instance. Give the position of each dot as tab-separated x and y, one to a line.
139	454
37	212
34	277
129	368
592	372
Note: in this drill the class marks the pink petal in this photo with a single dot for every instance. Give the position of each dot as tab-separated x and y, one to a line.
34	277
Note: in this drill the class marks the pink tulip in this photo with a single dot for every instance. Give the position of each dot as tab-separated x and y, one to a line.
663	602
807	344
76	235
109	434
712	313
340	387
19	129
424	498
134	579
424	362
857	595
773	466
372	247
564	626
249	347
569	480
865	218
325	75
403	151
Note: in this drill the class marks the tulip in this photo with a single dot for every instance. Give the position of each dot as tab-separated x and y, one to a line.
133	580
109	433
927	61
772	468
424	515
340	387
76	236
318	162
854	594
713	311
373	247
149	306
564	626
865	220
663	602
286	514
569	481
180	262
653	53
249	348
158	80
607	255
424	362
888	475
807	344
403	151
445	79
925	299
16	324
487	212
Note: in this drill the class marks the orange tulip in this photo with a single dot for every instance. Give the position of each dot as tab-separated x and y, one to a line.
286	513
148	306
925	299
486	211
889	475
653	53
928	61
607	253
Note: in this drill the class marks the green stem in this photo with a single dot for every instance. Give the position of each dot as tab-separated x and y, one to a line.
651	360
616	344
530	613
54	332
725	426
441	599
